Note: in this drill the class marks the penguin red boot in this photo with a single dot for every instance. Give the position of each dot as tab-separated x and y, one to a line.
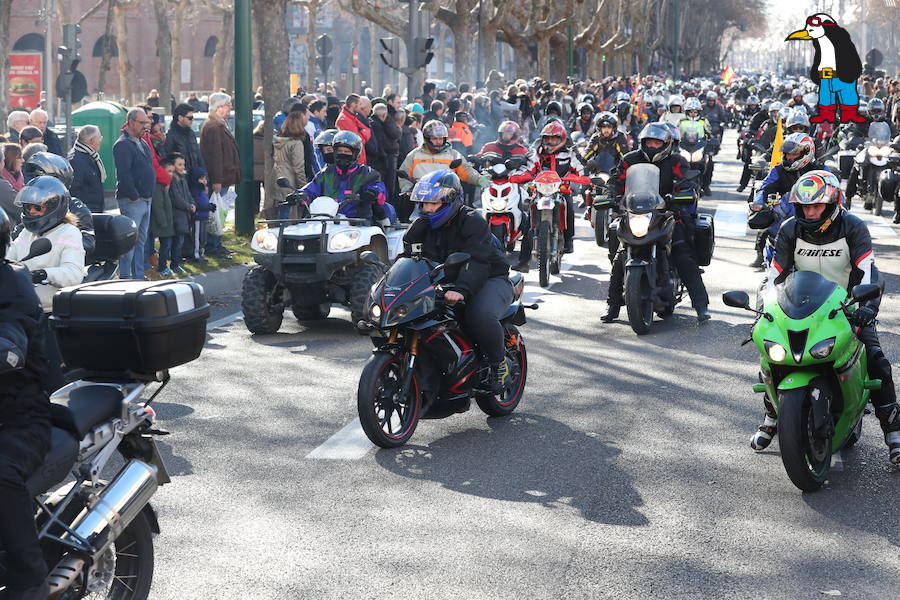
848	114
825	113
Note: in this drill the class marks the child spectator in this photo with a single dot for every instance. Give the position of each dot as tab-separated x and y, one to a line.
161	221
198	183
183	209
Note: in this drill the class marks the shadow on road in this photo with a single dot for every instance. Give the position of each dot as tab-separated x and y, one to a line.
519	460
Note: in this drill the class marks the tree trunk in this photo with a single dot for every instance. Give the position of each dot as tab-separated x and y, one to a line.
122	45
522	58
272	36
312	10
543	50
490	49
164	45
463	61
441	51
176	49
223	73
559	49
5	13
106	54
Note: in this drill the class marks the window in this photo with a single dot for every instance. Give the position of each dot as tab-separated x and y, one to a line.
97	52
30	42
211	43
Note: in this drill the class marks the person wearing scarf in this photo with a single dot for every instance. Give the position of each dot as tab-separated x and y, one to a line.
90	173
12	166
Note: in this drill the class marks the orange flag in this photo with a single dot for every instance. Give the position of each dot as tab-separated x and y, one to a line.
728	74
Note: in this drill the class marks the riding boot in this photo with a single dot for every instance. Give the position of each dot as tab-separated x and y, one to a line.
760	247
889	416
499	373
616	289
763	437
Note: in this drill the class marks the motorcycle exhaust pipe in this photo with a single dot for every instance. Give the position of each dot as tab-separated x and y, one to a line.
117	505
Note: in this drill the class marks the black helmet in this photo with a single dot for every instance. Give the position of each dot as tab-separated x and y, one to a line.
876	109
585	106
5	233
553	106
47	163
326	137
656	131
32	149
347	139
48	192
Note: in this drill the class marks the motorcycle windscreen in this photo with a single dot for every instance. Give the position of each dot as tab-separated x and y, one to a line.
803	292
405	271
880	131
642	188
691	132
605	162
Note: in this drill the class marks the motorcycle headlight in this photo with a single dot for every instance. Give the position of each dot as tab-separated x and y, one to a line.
546	189
872	150
686	155
639	224
375	311
343	240
822	349
697	156
498	204
265	241
885	151
775	351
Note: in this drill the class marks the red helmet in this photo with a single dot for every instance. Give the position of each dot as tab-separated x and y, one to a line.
553	129
511	128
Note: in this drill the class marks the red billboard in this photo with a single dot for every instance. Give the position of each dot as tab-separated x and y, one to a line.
24	80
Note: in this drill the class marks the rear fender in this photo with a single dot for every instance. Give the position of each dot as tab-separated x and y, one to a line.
150	513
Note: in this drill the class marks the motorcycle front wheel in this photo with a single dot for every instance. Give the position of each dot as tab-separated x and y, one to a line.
499	232
387	420
543	244
599	217
638	301
806	458
514	385
556	263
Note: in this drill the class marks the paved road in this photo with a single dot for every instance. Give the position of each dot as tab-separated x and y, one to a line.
626	473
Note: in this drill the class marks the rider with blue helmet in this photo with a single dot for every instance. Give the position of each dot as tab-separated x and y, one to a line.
444	225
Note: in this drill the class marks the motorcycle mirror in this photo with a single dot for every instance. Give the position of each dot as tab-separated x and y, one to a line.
370	258
737	299
455	163
865	291
42	246
283	182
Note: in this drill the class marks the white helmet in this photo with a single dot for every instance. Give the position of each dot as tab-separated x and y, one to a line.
676	100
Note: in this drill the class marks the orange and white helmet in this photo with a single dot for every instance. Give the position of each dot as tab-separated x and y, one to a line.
553	137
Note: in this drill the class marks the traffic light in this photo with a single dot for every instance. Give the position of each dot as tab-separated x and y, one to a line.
423	53
70	83
324	47
390	52
604	58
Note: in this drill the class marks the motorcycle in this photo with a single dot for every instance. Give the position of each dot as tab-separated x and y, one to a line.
889	179
424	365
645	231
871	161
96	535
759	167
114	236
503	202
548	223
694	146
813	369
600	167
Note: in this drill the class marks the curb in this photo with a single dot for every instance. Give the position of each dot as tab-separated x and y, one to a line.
222	281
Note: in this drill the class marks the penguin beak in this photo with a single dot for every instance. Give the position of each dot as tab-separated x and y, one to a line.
800	34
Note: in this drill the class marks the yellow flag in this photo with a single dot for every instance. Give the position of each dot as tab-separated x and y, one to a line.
776	148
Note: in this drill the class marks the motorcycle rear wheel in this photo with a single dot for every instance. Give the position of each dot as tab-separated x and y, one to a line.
517	360
806	458
638	301
377	407
543	244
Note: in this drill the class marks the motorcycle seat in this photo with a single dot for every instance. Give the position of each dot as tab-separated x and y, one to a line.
85	407
57	462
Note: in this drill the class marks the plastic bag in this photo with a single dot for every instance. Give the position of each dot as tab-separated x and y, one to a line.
216	223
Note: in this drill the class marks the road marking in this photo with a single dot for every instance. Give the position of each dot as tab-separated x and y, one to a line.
224	321
731	219
349	443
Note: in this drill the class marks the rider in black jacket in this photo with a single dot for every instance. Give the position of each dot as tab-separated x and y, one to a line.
656	148
821	223
24	424
444	226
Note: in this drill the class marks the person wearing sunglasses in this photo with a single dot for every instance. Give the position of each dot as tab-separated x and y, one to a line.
181	138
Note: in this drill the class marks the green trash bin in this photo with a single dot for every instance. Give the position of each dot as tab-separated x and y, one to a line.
109	117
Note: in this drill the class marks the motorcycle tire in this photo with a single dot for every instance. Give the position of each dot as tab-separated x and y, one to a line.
312	312
517	360
499	232
543	244
361	281
599	216
806	459
377	407
854	436
258	297
556	262
638	302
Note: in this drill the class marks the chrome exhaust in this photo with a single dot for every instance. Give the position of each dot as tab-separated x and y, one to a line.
108	514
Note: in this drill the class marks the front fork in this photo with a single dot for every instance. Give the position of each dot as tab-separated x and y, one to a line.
409	364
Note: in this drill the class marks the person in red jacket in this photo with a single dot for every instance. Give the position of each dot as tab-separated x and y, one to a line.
348	121
507	144
553	155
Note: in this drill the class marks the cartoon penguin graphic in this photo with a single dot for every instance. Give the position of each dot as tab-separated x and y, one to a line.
836	67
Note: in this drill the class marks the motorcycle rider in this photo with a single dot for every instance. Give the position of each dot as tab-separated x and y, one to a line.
583	119
25	419
628	120
673	114
607	139
796	101
751	107
552	154
693	110
715	114
822	222
798	158
444	225
876	114
656	148
348	177
323	144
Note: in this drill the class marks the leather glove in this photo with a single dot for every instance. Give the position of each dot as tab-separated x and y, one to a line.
212	207
39	276
369	195
863	316
484	181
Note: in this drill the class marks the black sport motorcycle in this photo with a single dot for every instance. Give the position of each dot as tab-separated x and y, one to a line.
424	365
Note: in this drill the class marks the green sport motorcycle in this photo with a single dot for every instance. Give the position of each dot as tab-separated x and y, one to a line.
813	368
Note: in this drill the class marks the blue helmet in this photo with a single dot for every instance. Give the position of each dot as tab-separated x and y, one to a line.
439	186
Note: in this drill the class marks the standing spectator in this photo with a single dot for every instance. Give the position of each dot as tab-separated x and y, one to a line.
415	125
193	102
292	158
259	163
286	105
183	210
389	142
220	154
162	177
134	186
181	139
407	134
12	166
314	127
89	172
428	92
372	148
153	99
7	202
30	135
162	223
435	112
332	111
16	122
349	120
197	182
39	118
